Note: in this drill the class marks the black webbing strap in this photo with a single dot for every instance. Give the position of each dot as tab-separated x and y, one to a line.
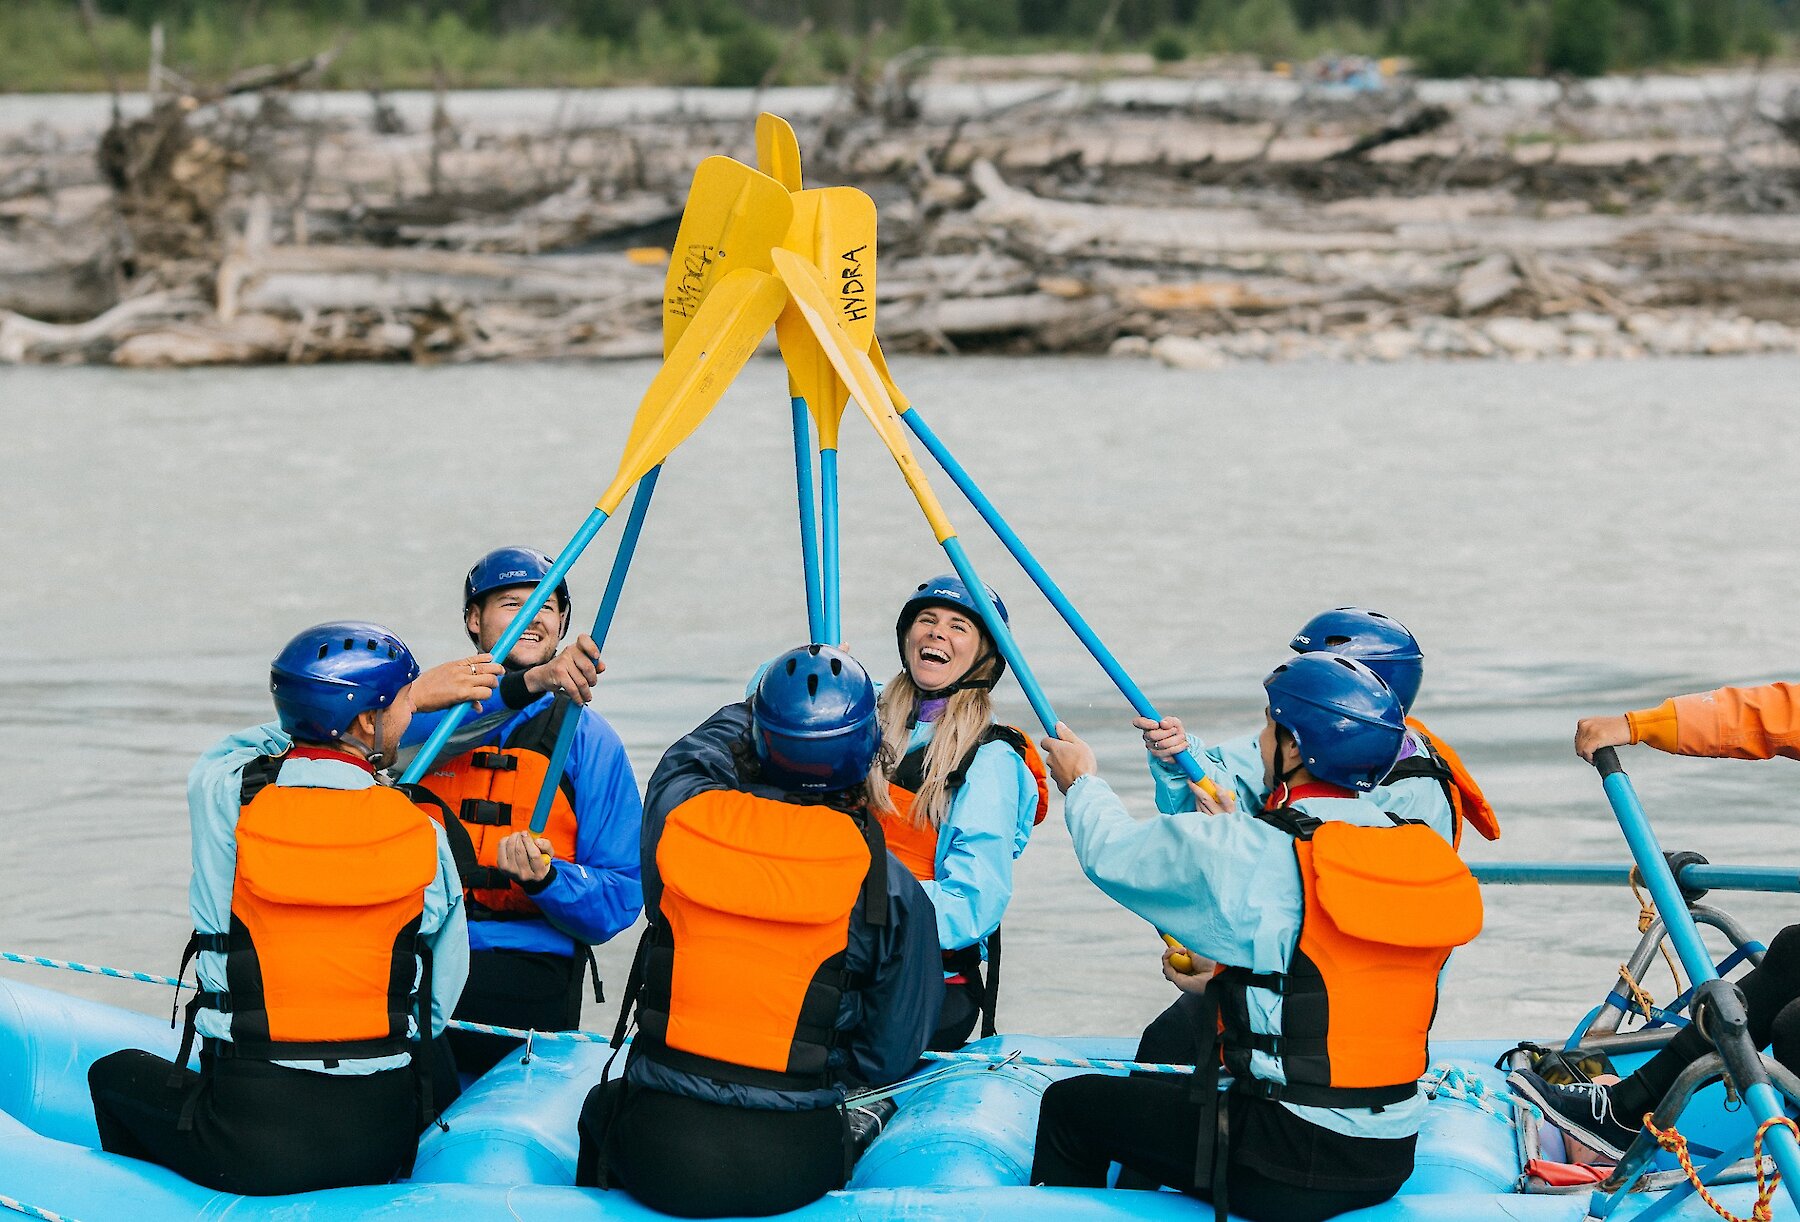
421	1051
494	761
990	988
593	972
1212	1134
875	882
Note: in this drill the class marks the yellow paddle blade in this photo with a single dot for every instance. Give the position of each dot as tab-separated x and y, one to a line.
878	359
834	230
725	330
807	287
733	216
777	151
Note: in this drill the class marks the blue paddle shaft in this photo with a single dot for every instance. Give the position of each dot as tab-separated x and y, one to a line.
809	530
1003	637
565	560
1764	1104
609	603
828	547
1133	694
1611	874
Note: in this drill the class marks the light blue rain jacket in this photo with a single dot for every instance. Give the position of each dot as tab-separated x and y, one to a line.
1226	887
213	790
1419	799
986	828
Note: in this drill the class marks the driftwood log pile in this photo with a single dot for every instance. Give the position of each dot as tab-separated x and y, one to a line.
1227	219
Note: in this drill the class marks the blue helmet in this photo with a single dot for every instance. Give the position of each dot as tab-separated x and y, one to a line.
949	591
1347	723
331	672
1378	641
813	717
512	566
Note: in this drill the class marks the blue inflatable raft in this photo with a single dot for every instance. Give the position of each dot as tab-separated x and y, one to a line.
959	1146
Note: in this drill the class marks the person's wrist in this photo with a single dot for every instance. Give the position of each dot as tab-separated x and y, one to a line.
533	886
515	689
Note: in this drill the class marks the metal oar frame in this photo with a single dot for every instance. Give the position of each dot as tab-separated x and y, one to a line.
1676	883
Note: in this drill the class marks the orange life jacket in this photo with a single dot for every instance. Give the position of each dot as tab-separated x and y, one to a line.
1384	908
1440	762
492	791
739	976
326	903
916	845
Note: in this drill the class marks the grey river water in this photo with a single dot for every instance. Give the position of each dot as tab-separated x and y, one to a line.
1564	539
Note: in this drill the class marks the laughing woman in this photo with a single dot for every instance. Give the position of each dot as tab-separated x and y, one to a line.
960	797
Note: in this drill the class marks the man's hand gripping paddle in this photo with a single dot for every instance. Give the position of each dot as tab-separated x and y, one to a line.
812	298
733	216
986	508
723	331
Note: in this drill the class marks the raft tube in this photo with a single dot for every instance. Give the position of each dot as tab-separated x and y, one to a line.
960	1145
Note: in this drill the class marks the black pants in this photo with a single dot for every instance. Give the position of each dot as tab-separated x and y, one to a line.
1772	998
705	1160
1281	1168
257	1128
1174	1036
515	988
957	1017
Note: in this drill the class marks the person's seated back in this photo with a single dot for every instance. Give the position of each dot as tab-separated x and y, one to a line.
1330	920
328	932
789	956
537	901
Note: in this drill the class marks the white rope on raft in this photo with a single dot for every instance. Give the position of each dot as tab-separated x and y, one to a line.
590	1037
32	1211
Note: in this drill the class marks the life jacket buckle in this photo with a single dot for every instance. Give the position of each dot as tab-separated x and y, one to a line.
495	761
485	812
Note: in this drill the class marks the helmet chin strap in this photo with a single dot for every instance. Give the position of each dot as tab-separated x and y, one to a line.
964	684
1278	797
376	758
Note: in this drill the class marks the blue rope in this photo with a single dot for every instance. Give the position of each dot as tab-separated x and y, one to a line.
589	1037
32	1211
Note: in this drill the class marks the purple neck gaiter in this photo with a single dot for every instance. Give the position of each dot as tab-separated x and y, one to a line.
931	710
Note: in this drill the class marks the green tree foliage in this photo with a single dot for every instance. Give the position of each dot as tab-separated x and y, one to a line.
590	42
928	21
1581	36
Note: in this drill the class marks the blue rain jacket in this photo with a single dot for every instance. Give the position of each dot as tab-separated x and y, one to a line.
590	899
1226	887
983	833
886	1018
214	787
1418	798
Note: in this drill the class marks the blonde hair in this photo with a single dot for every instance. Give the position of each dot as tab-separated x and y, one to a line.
960	726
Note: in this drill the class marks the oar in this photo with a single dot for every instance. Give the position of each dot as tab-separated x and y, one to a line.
1133	694
833	229
778	156
1732	1042
731	211
806	284
726	328
609	603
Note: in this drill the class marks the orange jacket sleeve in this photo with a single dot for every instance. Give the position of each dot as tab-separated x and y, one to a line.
1749	723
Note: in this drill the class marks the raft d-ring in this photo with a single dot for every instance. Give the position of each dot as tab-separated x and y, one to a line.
530	1036
1010	1058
